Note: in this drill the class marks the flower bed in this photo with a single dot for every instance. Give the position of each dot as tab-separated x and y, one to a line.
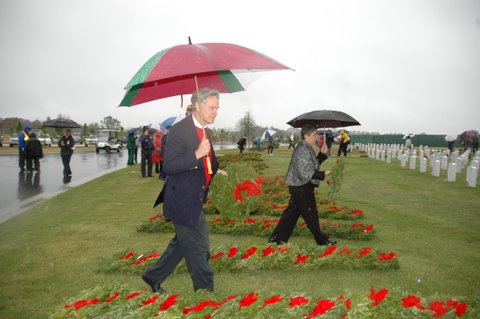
256	258
120	302
263	227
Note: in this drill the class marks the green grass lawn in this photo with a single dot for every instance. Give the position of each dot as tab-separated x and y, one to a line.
49	253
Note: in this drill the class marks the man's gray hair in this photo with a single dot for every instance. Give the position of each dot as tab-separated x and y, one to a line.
202	94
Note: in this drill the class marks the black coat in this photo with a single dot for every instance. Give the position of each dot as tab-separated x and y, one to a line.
33	148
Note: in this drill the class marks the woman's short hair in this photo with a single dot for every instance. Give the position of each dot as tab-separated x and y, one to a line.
307	130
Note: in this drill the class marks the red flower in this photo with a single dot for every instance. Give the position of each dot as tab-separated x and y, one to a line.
298	301
233	251
301	259
216	220
82	303
345	251
249	187
412	301
364	251
259	181
266	224
368	228
155	217
133	295
127	256
220	254
113	297
249	299
439	308
230	222
279	206
250	220
356	225
322	307
385	256
170	301
272	300
348	303
377	297
283	249
357	212
149	301
267	251
250	251
330	250
460	307
200	306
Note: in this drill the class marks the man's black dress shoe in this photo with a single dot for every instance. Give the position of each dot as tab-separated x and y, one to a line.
153	285
328	242
275	240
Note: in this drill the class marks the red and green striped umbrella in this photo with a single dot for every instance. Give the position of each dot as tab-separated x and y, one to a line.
172	71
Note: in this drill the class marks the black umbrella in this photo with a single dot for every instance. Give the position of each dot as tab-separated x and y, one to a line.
324	118
62	123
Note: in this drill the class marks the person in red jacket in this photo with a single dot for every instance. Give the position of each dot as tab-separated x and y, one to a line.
157	156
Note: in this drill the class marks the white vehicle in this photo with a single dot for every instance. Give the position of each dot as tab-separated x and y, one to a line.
44	139
108	140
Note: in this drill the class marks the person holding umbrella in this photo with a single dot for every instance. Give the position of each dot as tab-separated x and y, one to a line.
302	177
189	164
66	144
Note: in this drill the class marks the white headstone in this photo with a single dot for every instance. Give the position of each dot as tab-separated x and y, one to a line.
423	165
436	168
389	156
472	174
475	163
382	155
403	160
413	162
444	162
451	172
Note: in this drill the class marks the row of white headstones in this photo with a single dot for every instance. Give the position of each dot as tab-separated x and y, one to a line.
439	160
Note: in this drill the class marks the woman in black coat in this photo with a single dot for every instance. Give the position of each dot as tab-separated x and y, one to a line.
303	176
33	153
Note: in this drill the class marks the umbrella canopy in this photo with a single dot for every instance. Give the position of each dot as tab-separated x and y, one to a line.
62	123
171	121
409	135
267	134
468	137
324	118
450	137
173	71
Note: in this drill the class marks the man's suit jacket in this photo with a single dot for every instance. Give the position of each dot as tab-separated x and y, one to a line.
184	190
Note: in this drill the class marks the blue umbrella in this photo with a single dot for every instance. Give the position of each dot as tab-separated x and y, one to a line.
169	122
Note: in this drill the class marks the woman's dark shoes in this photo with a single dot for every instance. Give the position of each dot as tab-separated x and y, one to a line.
273	239
153	285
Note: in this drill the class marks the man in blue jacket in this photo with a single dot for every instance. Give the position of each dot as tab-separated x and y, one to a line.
189	164
23	136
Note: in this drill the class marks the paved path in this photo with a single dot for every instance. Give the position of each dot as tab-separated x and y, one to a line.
21	191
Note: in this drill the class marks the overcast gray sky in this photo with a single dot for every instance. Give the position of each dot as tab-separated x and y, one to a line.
396	66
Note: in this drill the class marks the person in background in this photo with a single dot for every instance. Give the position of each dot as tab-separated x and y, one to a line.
66	144
189	110
329	140
33	153
241	143
157	152
131	147
189	164
146	143
162	151
344	140
270	145
408	142
291	142
22	138
303	175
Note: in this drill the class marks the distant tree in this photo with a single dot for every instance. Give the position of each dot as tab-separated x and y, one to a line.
63	116
246	126
110	122
84	133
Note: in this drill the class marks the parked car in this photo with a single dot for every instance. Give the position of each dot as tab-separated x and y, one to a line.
44	139
13	141
1	140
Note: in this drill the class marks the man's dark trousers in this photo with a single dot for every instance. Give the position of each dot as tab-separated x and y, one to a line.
192	244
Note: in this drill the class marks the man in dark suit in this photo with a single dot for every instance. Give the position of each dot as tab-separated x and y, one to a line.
189	164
